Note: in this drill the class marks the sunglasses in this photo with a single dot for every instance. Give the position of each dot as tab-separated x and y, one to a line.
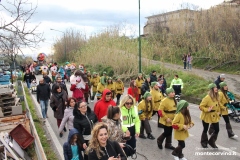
128	103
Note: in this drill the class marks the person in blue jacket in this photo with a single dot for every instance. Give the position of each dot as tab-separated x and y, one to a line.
72	148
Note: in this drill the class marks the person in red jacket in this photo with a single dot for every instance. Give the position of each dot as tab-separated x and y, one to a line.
101	106
133	90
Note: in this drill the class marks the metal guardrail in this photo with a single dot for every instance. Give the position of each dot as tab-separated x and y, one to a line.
37	143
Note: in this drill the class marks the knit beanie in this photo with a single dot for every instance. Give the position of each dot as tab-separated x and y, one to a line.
153	84
139	74
146	94
211	86
94	73
104	72
181	104
169	90
147	76
222	84
222	76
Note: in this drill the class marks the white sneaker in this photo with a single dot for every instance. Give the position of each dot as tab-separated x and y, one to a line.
175	158
91	100
183	158
235	136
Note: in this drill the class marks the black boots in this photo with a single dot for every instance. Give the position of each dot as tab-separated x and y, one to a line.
160	140
211	130
212	140
168	143
176	152
150	136
204	140
229	131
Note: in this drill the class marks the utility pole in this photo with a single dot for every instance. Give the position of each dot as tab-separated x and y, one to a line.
139	41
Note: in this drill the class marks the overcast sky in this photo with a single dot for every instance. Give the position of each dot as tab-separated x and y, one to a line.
92	16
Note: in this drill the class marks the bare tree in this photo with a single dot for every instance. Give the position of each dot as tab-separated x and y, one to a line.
14	26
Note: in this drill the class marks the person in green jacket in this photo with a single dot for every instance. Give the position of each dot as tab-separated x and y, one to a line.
177	85
130	120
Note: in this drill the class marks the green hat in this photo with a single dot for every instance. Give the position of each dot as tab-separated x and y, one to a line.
222	84
146	94
139	74
94	73
211	86
67	63
109	78
153	84
169	90
147	76
181	104
104	72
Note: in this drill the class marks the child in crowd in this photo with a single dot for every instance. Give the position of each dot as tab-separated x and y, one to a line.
181	123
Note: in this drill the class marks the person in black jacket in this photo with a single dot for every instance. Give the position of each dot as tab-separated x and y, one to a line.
101	148
72	148
219	79
146	86
27	78
43	96
46	78
153	77
59	81
84	119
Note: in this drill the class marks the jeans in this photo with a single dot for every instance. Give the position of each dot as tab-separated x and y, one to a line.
184	64
28	83
44	107
189	66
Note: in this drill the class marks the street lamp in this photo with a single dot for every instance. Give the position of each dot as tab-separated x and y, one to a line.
64	41
139	40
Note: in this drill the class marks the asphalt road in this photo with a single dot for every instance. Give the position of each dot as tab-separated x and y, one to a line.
228	148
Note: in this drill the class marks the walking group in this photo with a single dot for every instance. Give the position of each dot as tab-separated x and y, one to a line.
109	130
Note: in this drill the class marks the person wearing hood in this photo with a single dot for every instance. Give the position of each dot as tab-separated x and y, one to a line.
101	106
157	97
101	148
72	148
224	102
84	120
220	79
100	87
166	112
210	110
58	101
43	96
145	110
130	120
139	83
146	85
68	115
119	86
181	123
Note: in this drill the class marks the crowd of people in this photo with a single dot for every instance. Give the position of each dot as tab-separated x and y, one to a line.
109	130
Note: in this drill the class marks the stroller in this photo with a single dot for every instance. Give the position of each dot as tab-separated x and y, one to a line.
34	86
234	107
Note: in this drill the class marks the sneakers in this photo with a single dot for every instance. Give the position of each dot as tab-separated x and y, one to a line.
91	101
142	136
235	136
176	158
183	158
150	136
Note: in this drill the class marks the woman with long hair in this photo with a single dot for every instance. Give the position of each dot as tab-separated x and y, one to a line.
84	120
181	123
68	115
139	83
145	111
58	103
114	123
224	102
133	90
130	120
101	148
166	112
210	110
111	86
